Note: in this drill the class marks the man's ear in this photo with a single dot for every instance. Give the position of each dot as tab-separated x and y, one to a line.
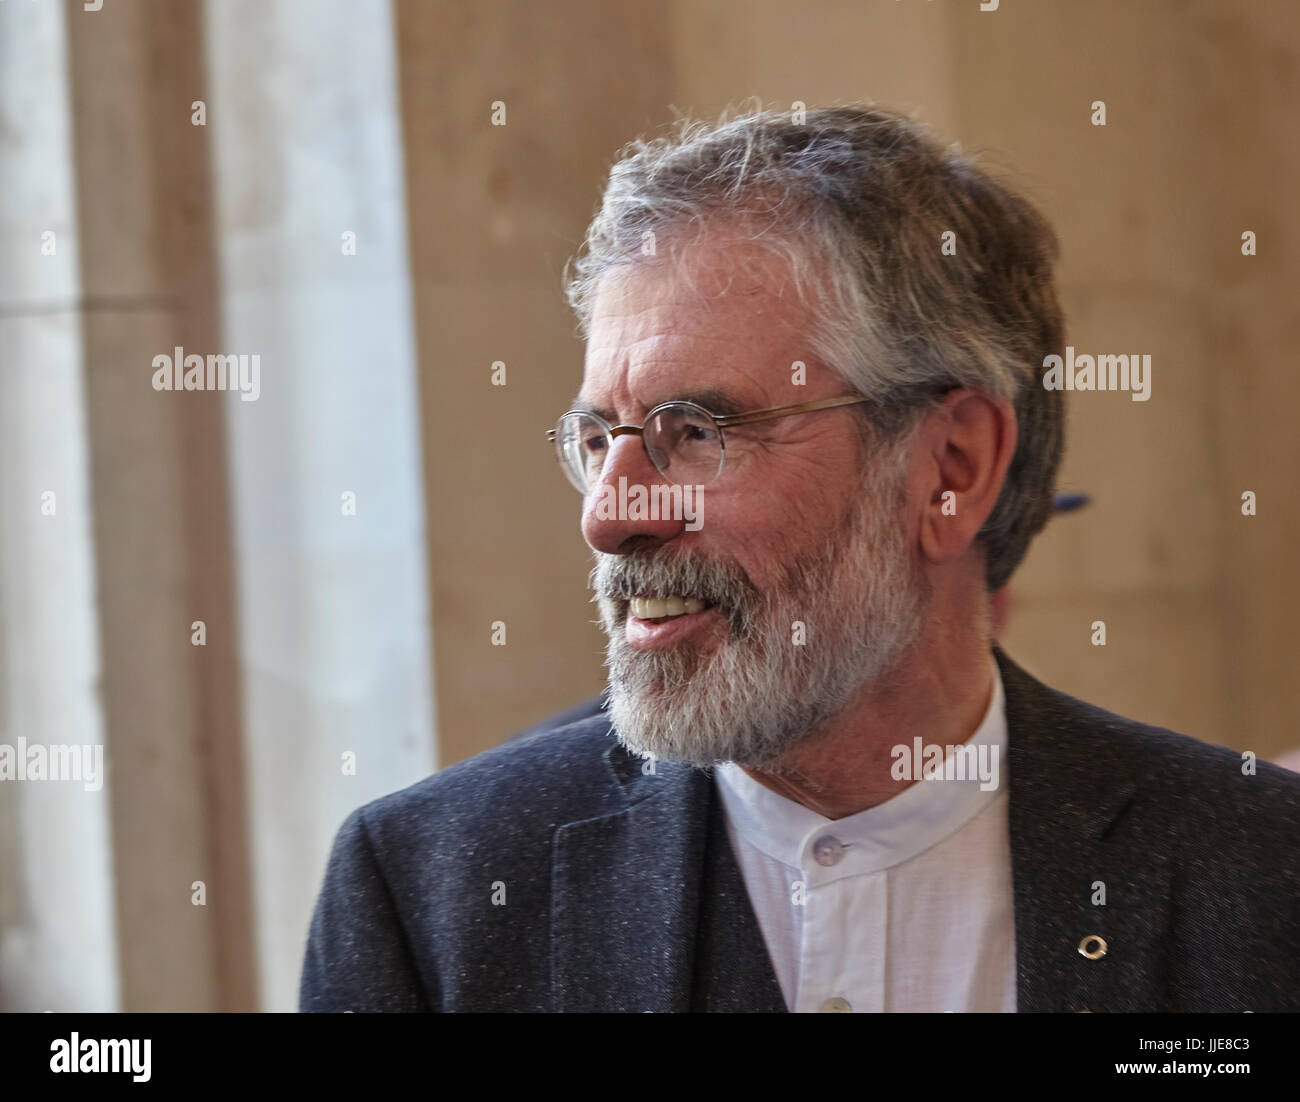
966	445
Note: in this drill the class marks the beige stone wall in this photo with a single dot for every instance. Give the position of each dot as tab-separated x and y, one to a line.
1198	600
160	512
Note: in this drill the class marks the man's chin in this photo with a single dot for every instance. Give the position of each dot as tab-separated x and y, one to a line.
675	725
701	710
657	724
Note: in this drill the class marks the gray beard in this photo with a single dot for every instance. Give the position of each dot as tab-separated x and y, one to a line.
862	602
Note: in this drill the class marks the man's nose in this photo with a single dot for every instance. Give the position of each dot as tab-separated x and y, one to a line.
605	522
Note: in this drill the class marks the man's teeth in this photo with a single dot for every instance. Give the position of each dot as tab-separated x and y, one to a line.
655	608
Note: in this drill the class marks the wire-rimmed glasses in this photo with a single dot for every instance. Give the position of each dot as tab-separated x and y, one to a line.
684	440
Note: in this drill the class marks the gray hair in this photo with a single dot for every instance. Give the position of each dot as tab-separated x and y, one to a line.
856	201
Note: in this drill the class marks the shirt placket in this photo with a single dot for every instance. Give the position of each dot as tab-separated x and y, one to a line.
843	943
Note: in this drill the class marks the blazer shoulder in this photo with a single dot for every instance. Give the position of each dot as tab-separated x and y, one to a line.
1212	794
1216	777
525	786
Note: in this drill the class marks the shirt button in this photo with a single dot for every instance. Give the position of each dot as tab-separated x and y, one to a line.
827	850
835	1006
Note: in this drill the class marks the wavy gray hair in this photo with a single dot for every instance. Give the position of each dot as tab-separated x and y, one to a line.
856	201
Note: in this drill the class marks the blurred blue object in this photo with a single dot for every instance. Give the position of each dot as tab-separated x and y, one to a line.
1067	503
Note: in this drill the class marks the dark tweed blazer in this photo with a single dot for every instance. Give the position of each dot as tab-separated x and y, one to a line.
553	874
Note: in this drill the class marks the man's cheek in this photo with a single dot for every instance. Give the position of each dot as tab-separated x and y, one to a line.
693	507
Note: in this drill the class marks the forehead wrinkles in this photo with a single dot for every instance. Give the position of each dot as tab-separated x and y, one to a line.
685	292
743	311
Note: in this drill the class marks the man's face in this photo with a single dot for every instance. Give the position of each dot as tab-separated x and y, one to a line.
804	562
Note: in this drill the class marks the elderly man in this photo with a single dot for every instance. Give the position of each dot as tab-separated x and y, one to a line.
818	786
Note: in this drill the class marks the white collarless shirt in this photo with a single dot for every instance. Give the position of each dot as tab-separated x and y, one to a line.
906	906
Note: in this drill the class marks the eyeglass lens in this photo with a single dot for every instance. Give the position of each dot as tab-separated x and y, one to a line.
682	442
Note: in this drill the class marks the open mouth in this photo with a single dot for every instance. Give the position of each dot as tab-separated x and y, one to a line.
657	609
654	621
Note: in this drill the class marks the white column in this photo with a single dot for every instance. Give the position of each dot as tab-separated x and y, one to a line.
57	929
333	607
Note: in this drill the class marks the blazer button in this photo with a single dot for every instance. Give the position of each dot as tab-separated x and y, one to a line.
1093	947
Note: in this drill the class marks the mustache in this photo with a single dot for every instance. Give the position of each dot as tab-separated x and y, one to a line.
721	583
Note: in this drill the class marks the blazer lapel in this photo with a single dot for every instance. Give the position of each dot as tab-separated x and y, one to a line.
625	893
1073	845
733	970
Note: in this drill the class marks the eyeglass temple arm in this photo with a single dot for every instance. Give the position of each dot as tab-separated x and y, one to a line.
758	414
781	411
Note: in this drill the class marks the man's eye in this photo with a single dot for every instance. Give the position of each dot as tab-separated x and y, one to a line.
594	444
696	434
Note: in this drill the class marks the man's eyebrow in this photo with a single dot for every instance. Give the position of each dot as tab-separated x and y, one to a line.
600	411
715	401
